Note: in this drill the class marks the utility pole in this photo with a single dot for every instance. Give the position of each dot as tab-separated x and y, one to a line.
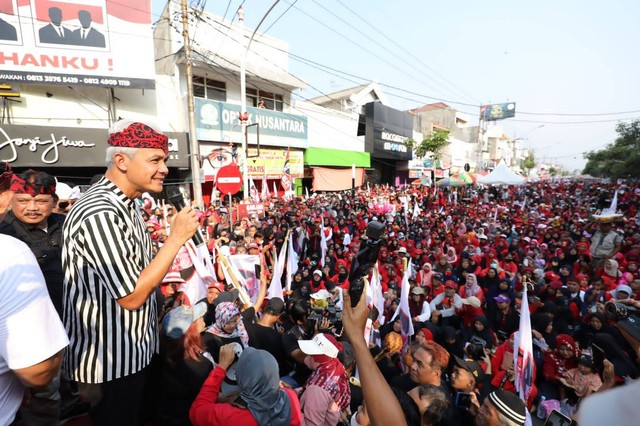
480	142
244	116
193	138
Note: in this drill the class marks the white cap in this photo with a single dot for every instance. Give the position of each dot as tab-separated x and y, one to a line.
321	294
319	345
471	301
63	191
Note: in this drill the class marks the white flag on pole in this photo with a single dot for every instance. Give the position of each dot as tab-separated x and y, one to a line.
292	262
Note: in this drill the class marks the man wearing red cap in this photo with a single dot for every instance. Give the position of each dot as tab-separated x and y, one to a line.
111	279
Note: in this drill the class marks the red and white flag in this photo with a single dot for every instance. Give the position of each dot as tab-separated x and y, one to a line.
265	186
253	190
406	325
374	294
523	353
286	174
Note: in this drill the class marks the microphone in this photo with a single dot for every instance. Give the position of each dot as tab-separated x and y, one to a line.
177	201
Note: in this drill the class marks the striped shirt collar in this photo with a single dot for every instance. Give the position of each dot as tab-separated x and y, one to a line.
107	184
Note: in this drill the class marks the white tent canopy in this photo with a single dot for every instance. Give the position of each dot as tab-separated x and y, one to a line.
501	175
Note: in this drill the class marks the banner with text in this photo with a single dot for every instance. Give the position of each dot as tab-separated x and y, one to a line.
495	112
218	121
38	146
77	42
248	210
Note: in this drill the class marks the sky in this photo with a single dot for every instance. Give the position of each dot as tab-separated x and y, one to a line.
571	66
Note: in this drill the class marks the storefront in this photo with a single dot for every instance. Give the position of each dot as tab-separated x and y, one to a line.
73	154
386	133
272	136
332	169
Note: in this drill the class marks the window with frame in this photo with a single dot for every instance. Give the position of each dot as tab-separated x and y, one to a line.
262	99
207	88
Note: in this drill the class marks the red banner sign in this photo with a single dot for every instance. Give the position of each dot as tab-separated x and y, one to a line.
247	210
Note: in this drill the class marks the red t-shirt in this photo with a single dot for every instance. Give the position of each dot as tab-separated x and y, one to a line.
206	412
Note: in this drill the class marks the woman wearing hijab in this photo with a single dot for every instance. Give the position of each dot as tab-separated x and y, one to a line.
227	328
610	274
556	363
317	281
471	288
261	400
328	375
490	279
544	336
480	333
424	276
597	323
442	265
341	277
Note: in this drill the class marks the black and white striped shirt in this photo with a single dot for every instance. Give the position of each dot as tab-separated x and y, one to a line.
105	248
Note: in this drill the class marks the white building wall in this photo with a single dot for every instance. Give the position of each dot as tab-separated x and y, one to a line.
328	128
80	106
460	152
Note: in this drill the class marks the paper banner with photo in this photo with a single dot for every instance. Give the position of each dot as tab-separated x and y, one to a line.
245	268
269	165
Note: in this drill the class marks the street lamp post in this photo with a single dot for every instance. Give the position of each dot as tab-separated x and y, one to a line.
193	138
244	115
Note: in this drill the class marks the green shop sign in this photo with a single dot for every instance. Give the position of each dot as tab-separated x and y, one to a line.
218	121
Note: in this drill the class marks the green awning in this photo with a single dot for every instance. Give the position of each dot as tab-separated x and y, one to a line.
336	157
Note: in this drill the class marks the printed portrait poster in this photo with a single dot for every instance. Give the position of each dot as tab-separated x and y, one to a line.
272	161
77	42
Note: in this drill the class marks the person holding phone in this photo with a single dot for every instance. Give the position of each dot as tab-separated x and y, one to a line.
465	377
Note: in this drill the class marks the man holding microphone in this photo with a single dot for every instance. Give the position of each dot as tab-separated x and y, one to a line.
110	277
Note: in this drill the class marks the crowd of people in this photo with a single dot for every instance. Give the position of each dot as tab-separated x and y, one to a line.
139	350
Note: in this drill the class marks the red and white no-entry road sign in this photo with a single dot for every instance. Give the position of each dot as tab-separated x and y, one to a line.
229	179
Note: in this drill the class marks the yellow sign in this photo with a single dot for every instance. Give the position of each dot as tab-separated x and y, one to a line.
271	159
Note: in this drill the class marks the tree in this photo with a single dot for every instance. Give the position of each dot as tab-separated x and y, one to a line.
529	162
553	171
620	159
432	144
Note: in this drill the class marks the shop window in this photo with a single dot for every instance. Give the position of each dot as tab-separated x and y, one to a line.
207	88
262	99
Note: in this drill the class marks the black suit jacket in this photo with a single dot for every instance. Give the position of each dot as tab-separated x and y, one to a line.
49	34
94	38
7	31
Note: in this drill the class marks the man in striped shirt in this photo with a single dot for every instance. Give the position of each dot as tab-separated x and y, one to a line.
110	277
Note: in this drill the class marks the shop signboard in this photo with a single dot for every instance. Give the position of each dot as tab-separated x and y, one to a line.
41	146
218	121
101	43
387	132
494	112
